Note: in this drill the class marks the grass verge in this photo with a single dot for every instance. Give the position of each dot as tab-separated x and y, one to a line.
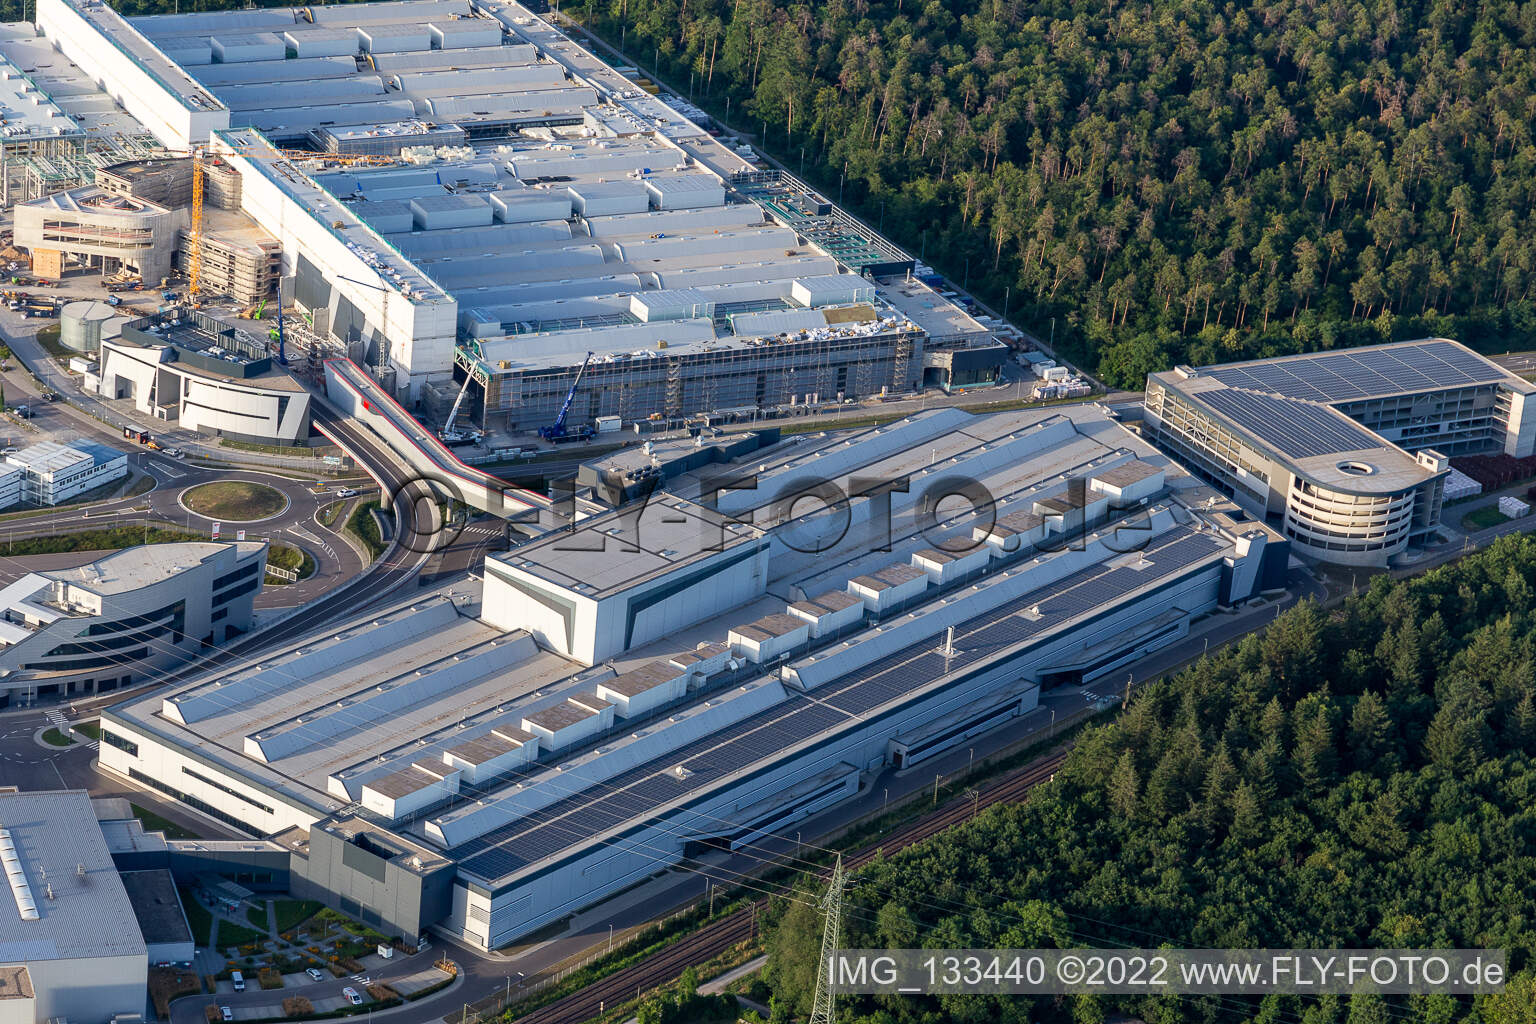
231	934
1482	518
55	738
198	915
291	558
361	525
48	337
328	514
97	540
292	913
90	730
236	500
152	822
258	917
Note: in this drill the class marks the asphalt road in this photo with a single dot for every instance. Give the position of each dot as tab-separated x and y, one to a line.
296	525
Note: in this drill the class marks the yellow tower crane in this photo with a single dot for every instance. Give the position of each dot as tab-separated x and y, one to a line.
200	158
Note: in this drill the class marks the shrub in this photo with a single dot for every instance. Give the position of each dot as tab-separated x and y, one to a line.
297	1006
269	978
380	993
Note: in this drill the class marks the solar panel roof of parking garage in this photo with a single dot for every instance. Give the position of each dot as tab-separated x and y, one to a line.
1296	429
1348	374
636	795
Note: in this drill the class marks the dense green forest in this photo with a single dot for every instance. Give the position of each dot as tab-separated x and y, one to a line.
1171	180
1363	778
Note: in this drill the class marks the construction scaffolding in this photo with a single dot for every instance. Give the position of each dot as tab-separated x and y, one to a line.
71	163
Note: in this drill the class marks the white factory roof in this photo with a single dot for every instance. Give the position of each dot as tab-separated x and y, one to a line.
46	458
596	560
27	111
316	721
64	899
604	143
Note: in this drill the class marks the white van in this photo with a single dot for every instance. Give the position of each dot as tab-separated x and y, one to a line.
238	980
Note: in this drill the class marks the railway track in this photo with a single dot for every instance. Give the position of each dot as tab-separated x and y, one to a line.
715	938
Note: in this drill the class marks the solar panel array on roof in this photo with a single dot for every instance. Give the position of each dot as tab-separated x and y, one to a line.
633	795
1362	373
1295	429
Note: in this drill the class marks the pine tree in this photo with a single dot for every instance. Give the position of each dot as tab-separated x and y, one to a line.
1124	787
1369	728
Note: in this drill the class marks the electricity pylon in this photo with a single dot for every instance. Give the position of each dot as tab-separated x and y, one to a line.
823	1010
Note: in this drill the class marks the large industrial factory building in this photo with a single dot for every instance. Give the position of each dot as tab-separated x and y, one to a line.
700	668
525	211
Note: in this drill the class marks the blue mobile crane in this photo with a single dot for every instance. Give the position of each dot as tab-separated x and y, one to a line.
556	431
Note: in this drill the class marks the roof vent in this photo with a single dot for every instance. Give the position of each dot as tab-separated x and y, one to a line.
17	877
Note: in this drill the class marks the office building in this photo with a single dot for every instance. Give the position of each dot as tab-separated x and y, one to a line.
192	370
53	473
1346	452
122	618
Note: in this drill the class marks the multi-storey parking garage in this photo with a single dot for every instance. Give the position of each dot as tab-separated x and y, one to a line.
1346	451
700	671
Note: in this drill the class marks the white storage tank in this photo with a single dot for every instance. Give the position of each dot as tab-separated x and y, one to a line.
947	566
82	324
644	689
829	612
887	588
770	636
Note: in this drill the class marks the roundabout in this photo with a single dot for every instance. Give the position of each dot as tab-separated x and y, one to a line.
234	501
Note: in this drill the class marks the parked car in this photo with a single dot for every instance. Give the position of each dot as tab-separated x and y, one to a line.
351	996
226	1013
238	980
174	453
314	974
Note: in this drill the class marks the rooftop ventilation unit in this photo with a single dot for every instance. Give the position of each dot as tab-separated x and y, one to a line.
14	874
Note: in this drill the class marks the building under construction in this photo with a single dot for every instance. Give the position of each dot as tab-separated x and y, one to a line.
239	259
